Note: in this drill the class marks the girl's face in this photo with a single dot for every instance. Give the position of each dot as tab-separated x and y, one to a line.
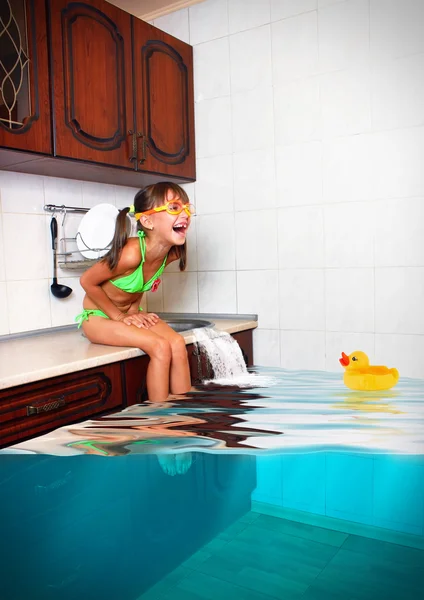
171	227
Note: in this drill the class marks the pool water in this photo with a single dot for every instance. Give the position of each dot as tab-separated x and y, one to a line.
291	487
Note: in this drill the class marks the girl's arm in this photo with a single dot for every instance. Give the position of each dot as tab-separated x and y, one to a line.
93	278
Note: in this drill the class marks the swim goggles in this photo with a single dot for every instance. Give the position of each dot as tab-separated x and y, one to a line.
173	207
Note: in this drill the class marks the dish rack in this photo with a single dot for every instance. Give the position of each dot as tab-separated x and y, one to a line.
69	257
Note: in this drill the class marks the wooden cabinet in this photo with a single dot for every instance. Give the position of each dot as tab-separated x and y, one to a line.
121	95
24	79
163	86
35	408
92	81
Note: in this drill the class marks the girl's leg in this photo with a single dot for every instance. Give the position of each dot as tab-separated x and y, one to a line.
113	333
180	380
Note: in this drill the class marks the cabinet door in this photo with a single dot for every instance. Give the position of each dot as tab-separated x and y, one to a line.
92	82
164	100
35	408
24	77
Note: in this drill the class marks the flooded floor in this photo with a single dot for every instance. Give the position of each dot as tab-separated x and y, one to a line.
261	557
273	410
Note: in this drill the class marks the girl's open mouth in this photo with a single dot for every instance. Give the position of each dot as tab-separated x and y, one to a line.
181	228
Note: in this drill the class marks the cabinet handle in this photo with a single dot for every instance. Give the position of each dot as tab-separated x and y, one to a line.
49	406
143	148
133	155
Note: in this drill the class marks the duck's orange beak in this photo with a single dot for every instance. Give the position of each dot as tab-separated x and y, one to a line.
344	360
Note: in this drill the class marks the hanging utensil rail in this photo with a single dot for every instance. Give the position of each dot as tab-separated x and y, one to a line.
63	208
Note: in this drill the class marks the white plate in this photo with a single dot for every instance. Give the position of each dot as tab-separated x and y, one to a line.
95	232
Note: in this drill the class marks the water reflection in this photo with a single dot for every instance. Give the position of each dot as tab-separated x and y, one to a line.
300	411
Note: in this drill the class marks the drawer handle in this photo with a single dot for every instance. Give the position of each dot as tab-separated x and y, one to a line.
49	406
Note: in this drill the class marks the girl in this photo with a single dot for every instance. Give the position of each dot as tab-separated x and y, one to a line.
115	285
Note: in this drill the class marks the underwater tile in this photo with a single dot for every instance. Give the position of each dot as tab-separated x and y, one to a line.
304	482
349	487
303	530
196	559
399	494
384	550
269	480
232	531
199	586
249	517
361	577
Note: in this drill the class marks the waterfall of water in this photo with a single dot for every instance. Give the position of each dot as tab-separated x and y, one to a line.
226	359
223	352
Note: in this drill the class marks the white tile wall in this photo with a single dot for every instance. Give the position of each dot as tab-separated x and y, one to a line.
25	246
281	9
4	313
397	92
216	242
346	102
405	352
212	70
400	233
180	292
310	189
247	75
297	111
295	47
254	179
22	193
399	296
2	266
304	350
397	28
176	24
214	185
301	237
217	292
208	21
299	174
257	293
256	239
349	234
213	127
266	347
350	300
302	303
253	119
344	38
246	14
28	305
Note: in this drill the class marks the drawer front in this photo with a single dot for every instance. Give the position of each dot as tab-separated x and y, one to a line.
28	410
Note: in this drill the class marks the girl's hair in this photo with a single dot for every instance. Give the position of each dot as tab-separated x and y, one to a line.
146	199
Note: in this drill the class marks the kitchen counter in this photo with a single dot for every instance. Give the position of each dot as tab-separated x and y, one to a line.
36	356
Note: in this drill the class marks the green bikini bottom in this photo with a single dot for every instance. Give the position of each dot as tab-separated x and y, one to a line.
91	312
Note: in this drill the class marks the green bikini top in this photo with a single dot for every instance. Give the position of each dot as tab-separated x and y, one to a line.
134	282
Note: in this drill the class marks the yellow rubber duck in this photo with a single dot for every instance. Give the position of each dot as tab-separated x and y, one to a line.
359	375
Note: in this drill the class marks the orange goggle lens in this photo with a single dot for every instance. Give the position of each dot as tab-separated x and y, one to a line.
173	207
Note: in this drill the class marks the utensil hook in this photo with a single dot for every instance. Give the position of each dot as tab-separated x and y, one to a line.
63	211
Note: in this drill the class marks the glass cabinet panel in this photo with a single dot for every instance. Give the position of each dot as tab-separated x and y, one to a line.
15	98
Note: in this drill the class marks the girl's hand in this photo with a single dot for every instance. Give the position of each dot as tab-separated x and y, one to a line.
141	320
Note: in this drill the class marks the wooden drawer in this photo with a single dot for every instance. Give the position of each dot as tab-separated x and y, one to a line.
35	408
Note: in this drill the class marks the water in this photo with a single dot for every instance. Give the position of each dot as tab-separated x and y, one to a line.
174	501
223	352
297	411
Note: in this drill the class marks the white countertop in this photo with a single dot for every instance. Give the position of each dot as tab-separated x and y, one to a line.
33	358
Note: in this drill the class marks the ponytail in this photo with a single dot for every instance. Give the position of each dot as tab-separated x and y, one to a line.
120	238
181	252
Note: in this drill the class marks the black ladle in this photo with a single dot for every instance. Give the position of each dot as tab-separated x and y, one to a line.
58	290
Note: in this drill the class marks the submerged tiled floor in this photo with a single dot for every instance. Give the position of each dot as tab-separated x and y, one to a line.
262	557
